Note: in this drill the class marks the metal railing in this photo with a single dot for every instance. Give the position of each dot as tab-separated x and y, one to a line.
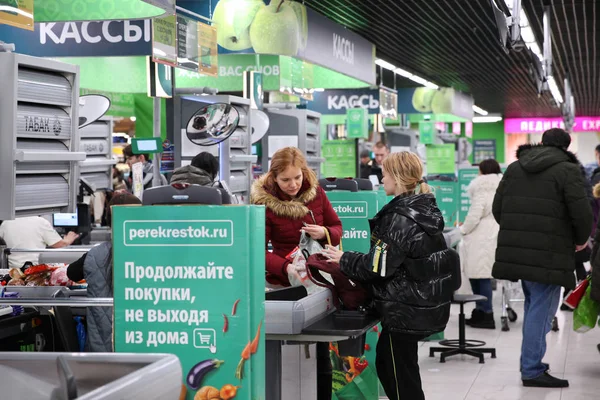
58	302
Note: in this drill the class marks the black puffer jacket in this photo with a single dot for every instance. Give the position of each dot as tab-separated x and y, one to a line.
409	269
543	211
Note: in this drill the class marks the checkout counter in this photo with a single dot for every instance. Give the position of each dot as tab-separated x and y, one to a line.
293	318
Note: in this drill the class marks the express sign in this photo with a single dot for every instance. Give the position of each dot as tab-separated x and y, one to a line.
540	125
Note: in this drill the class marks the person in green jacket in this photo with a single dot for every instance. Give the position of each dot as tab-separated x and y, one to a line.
545	217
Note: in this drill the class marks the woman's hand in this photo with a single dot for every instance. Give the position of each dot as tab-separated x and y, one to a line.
316	232
332	253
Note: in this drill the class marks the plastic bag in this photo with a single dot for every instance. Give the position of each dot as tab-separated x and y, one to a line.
573	298
81	333
586	313
309	244
59	278
299	276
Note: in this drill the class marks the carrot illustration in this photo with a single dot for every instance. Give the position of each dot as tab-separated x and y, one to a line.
225	323
250	349
234	308
254	346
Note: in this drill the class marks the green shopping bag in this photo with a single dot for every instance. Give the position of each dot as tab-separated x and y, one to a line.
363	387
586	313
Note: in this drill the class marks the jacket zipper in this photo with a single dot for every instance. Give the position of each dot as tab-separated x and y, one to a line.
313	217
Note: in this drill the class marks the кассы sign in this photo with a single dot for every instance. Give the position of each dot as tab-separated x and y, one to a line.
82	39
339	101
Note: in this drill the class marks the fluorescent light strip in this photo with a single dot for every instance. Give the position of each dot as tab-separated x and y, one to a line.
424	82
479	110
554	90
406	74
403	73
491	118
385	64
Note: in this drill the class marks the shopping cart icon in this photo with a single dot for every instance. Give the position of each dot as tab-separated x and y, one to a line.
205	339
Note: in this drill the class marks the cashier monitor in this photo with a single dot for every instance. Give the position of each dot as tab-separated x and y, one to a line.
65	221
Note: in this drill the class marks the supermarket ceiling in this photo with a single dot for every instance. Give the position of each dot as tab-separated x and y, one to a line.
454	43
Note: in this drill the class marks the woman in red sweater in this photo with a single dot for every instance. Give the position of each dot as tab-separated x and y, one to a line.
292	196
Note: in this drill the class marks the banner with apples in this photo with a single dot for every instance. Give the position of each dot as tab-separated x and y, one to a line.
449	104
289	28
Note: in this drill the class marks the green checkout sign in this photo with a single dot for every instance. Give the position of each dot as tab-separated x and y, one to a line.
446	195
465	176
355	209
189	280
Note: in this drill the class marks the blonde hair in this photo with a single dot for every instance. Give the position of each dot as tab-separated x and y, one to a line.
406	169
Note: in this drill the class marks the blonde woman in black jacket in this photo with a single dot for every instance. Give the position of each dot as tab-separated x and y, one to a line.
409	271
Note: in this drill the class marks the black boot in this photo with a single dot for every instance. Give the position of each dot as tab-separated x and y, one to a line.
486	323
546	380
476	316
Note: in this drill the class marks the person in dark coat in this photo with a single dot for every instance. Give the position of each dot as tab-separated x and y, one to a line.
545	217
294	201
202	171
96	267
409	271
595	258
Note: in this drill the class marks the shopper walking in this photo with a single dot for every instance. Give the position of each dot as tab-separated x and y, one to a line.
544	216
409	270
294	202
479	239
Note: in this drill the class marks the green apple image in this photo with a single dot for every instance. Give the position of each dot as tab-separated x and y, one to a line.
232	19
422	98
10	3
442	101
275	30
301	15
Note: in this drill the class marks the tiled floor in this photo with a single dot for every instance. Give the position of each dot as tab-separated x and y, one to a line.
571	355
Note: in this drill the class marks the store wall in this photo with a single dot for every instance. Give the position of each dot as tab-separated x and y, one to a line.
491	131
586	145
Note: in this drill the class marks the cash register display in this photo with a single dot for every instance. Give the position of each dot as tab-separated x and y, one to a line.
64	219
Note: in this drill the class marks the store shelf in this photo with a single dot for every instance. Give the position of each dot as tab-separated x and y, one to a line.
39	145
303	124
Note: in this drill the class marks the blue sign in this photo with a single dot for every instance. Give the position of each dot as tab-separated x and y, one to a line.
339	101
82	39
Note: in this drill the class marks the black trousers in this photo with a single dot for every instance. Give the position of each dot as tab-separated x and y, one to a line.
398	366
324	371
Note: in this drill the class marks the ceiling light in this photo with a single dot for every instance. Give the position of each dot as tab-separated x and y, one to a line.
403	73
479	110
385	64
527	35
488	119
536	50
554	89
424	82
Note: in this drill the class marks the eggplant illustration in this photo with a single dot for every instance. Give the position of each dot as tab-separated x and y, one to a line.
199	371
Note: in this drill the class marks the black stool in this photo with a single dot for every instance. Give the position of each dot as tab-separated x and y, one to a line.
462	345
